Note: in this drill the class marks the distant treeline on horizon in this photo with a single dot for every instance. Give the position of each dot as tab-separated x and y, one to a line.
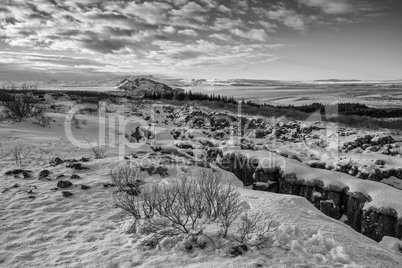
342	108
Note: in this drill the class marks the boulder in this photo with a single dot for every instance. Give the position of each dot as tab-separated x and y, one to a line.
76	166
44	174
67	193
64	184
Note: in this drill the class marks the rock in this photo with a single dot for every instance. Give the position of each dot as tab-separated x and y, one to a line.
330	209
383	151
238	250
380	162
64	184
151	169
295	157
44	174
76	166
57	161
320	165
17	172
107	185
75	177
60	176
67	193
30	191
84	187
84	159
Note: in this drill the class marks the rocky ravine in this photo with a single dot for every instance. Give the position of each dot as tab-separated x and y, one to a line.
335	199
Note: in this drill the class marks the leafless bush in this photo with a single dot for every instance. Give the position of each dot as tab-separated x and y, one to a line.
99	152
110	108
77	123
20	106
43	120
127	179
254	230
57	108
19	152
183	206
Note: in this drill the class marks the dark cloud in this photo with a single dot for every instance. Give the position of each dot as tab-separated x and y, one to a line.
37	12
104	45
187	54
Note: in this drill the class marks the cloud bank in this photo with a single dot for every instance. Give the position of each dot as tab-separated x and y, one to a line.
170	36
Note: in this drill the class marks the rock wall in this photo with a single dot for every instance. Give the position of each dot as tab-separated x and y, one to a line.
334	202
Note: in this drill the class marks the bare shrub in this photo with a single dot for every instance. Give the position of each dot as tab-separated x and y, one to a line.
110	108
127	179
183	206
20	106
19	152
77	123
57	108
43	120
254	230
100	152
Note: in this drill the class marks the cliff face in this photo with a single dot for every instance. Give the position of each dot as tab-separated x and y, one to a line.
335	201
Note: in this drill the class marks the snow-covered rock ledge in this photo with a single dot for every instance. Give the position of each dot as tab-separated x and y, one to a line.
369	207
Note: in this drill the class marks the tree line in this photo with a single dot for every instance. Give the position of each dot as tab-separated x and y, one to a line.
351	109
342	108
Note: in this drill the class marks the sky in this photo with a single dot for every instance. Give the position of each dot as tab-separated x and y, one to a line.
223	39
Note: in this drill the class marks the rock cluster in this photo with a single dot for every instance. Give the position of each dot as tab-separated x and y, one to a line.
380	143
58	161
376	173
220	125
25	173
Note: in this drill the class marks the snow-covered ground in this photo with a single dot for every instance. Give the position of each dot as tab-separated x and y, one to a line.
41	228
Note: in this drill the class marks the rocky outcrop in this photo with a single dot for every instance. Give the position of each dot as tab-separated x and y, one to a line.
333	201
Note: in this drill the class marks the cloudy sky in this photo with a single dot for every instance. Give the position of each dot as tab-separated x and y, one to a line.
264	39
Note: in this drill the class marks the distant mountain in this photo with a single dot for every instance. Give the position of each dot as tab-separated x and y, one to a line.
139	86
338	80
